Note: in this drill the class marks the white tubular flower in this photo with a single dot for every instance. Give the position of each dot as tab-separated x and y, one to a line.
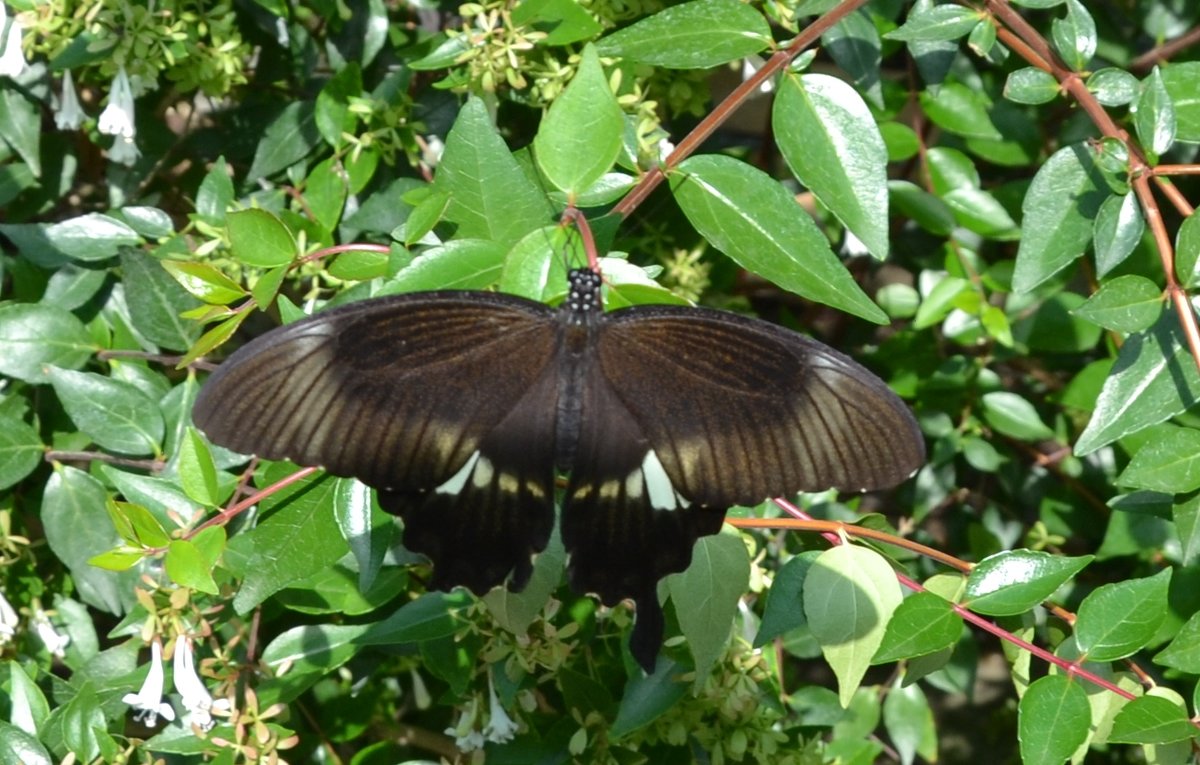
196	698
8	620
117	117
148	703
124	151
750	65
55	643
466	737
12	58
69	115
500	728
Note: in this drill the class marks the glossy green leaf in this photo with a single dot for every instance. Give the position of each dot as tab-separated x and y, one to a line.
785	600
1113	87
1169	464
960	110
332	110
1183	652
368	530
215	194
515	611
941	22
1180	81
1014	416
755	221
1117	620
580	136
1058	210
91	237
325	191
922	208
20	126
1030	85
979	211
1154	116
706	595
197	473
136	524
830	140
940	301
490	197
1052	720
311	641
187	567
1074	35
1154	379
1116	232
1128	303
116	415
923	623
566	20
850	594
258	238
73	285
457	264
28	707
21	449
297	536
694	35
425	215
1187	251
205	281
854	45
287	140
156	301
1151	720
1014	581
1186	515
73	501
432	615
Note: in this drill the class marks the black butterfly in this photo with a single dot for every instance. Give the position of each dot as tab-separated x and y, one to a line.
459	407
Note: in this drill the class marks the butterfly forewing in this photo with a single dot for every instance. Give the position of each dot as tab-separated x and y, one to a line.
755	411
397	392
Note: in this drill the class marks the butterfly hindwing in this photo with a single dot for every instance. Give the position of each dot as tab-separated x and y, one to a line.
755	411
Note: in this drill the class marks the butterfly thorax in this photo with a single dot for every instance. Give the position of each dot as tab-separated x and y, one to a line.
580	318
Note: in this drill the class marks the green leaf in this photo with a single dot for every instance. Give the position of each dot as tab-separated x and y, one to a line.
580	136
977	210
215	194
91	237
1187	251
325	191
332	111
1113	87
1058	210
1014	416
1183	653
751	218
565	21
197	473
830	140
515	611
694	35
1074	36
706	596
136	524
1128	303
156	301
1151	720
940	301
314	642
20	125
941	22
27	704
287	140
1117	230
1117	620
785	600
1153	379
850	594
117	415
1168	464
425	215
187	567
1052	720
205	281
258	238
1030	85
648	697
367	530
73	500
1014	581
21	449
923	623
1186	515
1154	116
431	616
297	536
1180	81
960	110
909	723
854	45
490	196
457	264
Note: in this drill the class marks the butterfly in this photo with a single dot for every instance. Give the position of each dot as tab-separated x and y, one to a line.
461	407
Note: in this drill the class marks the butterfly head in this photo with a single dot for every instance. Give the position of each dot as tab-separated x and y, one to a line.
583	299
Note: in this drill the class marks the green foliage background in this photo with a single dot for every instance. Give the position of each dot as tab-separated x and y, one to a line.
988	203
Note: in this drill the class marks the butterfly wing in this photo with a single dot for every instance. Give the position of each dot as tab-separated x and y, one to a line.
756	411
420	397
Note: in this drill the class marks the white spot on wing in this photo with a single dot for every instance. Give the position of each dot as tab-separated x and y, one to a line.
662	493
457	481
483	473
